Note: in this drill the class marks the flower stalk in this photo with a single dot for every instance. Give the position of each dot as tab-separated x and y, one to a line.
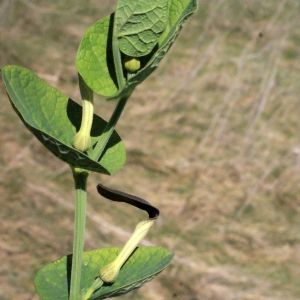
95	286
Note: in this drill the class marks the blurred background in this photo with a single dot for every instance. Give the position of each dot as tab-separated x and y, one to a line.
212	139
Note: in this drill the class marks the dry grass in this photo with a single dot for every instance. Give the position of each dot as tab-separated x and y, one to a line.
212	139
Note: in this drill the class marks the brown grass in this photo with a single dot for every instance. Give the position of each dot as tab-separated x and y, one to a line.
212	139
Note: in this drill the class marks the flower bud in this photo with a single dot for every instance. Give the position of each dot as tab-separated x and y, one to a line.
132	65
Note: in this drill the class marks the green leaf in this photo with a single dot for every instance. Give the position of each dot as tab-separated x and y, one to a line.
54	119
144	264
95	61
138	25
179	12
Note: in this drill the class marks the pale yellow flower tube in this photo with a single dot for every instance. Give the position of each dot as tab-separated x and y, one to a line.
110	272
82	139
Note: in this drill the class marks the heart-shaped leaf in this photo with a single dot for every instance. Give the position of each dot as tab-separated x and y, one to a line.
179	11
95	61
52	282
138	24
54	119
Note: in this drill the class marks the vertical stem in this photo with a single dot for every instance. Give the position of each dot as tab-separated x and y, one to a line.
97	152
80	179
104	138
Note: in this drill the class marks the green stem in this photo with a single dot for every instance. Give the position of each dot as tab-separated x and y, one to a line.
80	179
117	59
118	65
104	138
